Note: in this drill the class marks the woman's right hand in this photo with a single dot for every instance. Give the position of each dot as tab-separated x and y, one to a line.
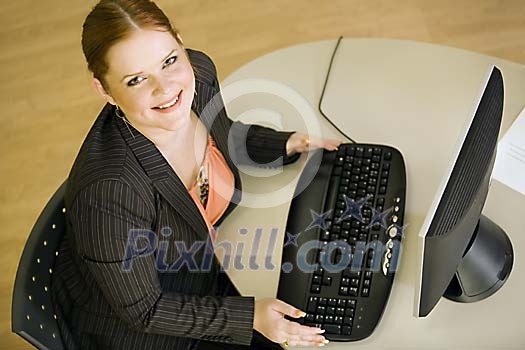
269	321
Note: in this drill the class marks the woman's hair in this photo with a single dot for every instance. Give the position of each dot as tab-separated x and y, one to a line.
111	21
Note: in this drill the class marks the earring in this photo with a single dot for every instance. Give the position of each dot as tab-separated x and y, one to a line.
121	115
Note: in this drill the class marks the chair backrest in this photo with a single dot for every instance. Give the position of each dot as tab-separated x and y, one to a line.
32	315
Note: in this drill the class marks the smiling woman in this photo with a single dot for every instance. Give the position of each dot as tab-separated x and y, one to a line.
154	86
161	157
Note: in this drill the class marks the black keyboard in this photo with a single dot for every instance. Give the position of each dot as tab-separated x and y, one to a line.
342	240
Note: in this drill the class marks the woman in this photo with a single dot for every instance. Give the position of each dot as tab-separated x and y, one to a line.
159	165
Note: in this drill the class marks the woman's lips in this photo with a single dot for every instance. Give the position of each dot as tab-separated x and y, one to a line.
171	108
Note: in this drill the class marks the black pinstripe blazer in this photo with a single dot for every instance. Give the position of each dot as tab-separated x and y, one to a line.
120	182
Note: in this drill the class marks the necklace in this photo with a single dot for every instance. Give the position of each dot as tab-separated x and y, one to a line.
203	183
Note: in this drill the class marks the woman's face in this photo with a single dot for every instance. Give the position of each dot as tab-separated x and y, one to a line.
151	79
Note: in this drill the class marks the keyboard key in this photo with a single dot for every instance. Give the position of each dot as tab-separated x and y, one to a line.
367	162
343	291
347	330
310	318
359	151
382	189
340	311
321	309
376	158
332	329
330	310
386	166
355	274
339	160
366	283
319	271
322	301
341	303
338	320
377	150
351	304
312	307
328	319
354	282
388	155
319	318
327	281
350	151
368	152
365	292
315	289
317	279
348	320
349	313
352	291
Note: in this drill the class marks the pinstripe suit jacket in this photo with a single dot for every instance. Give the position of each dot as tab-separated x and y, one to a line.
120	182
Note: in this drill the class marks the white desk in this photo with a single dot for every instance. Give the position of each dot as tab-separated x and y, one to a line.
416	97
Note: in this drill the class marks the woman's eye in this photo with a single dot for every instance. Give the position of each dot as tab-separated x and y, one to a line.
135	81
170	61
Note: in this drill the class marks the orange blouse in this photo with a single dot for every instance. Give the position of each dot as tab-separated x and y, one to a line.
221	187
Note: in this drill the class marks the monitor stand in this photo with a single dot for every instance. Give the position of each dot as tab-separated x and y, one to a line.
485	266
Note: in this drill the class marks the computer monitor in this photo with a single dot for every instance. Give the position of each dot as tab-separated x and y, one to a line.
463	255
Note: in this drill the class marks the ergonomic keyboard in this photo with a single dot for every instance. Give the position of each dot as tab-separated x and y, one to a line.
342	240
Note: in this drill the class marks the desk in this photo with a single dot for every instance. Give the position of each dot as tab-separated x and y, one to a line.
414	96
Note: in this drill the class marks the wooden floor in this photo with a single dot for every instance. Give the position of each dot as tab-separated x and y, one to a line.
49	104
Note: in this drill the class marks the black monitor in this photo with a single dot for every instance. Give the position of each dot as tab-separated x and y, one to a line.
463	255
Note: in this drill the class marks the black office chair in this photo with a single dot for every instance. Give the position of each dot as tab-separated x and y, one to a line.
32	315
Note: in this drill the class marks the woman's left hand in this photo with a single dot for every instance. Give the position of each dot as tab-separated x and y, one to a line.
298	143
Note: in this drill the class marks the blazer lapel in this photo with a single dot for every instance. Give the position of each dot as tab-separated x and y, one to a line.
164	179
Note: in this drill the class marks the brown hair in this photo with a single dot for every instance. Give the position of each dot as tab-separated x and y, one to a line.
111	21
